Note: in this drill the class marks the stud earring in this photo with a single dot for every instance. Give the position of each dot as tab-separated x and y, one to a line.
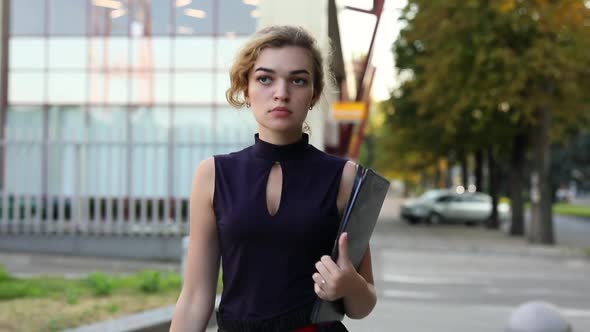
310	108
248	105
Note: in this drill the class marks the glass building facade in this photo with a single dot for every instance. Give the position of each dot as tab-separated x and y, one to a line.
141	83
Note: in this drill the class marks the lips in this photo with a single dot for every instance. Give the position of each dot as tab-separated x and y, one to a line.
281	109
280	112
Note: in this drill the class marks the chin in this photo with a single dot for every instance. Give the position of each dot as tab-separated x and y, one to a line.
284	127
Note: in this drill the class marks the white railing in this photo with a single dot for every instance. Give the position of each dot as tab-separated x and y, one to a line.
102	188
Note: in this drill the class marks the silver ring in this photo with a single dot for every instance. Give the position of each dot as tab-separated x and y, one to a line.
323	282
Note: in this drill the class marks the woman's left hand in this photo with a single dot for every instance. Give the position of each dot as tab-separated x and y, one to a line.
335	280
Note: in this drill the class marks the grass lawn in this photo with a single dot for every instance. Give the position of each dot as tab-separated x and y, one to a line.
568	209
54	304
572	210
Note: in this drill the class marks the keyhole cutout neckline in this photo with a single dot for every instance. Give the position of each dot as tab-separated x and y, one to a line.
274	189
276	154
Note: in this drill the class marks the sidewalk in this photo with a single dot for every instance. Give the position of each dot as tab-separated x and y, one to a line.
458	238
393	240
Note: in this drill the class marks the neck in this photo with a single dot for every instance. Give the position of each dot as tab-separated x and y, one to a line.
279	138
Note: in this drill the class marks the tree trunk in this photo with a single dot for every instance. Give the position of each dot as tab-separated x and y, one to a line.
448	173
437	175
479	170
542	223
493	185
517	164
464	171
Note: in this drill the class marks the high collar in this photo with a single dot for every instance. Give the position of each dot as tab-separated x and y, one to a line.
274	152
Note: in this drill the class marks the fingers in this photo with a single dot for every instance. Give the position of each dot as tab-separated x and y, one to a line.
319	280
330	266
343	246
322	289
320	292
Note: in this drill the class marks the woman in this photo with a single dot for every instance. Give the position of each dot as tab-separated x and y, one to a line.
271	212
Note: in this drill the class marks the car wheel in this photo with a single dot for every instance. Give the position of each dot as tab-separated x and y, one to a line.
412	221
435	218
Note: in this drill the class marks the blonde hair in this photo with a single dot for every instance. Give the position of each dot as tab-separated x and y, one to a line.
274	37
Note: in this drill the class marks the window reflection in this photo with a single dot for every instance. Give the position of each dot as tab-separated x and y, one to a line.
27	53
150	124
109	52
26	87
151	17
24	123
67	17
234	125
227	49
194	17
22	171
237	16
235	129
193	87
67	53
195	52
151	53
107	124
150	88
110	87
67	87
67	123
222	83
27	17
109	18
193	124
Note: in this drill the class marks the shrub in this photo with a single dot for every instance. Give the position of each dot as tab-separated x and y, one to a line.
150	281
100	283
4	275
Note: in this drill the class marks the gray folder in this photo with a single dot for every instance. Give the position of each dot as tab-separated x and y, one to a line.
358	220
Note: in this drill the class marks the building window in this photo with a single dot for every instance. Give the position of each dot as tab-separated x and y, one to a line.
67	17
27	17
194	17
238	17
109	18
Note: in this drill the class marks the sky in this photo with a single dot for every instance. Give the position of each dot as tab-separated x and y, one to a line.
357	29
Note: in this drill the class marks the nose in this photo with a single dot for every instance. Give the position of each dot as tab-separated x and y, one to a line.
282	91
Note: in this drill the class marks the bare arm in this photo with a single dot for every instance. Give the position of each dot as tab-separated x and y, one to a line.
197	298
362	297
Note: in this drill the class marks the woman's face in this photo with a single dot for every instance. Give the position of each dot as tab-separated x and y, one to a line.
280	88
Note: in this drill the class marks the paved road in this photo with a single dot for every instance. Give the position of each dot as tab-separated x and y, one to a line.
571	231
429	279
456	278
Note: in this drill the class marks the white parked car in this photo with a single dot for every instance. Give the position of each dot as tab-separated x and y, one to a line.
442	205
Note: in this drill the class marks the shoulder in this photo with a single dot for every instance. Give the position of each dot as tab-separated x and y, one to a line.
349	172
205	170
232	156
203	183
346	183
326	157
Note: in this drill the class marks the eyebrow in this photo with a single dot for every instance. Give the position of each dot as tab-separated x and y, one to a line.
293	72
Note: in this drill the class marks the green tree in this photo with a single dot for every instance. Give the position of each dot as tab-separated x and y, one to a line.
493	75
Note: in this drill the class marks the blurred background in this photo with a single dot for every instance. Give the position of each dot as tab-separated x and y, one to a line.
478	112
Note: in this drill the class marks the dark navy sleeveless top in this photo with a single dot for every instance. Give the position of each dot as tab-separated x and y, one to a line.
268	260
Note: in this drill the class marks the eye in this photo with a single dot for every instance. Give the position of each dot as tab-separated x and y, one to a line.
264	80
299	81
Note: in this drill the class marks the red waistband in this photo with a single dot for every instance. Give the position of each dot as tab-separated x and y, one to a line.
309	328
